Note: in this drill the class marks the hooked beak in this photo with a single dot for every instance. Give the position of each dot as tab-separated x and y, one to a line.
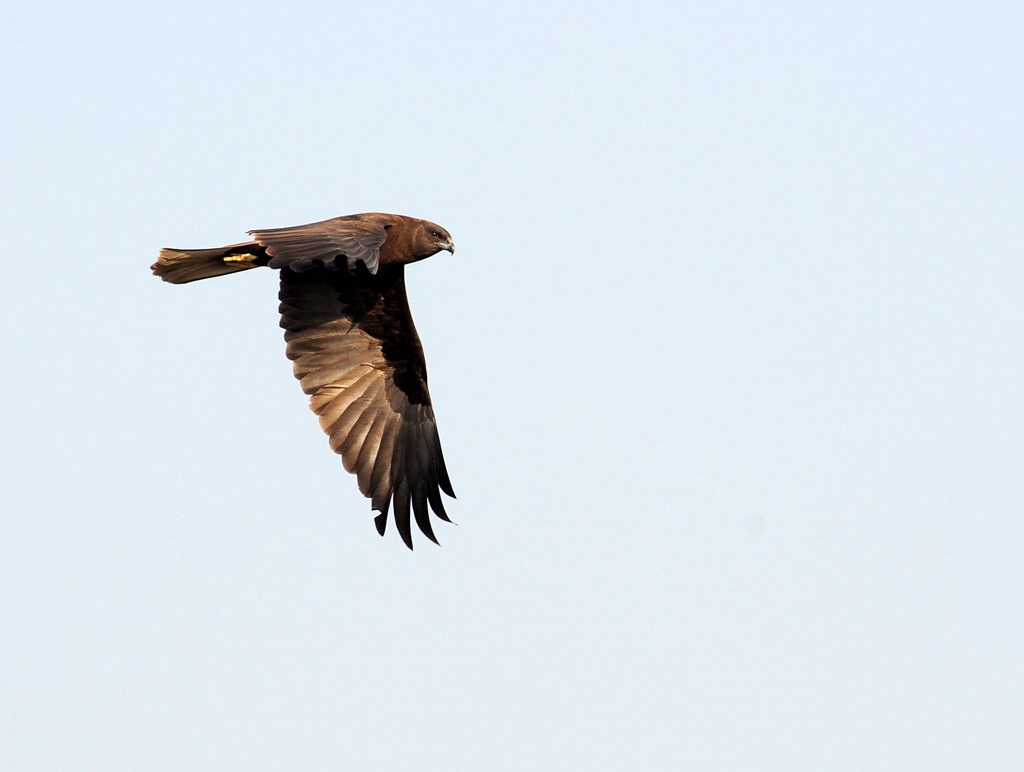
450	246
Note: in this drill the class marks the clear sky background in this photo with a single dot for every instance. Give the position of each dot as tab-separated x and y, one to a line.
727	367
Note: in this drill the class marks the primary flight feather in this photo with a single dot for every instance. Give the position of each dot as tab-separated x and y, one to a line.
354	347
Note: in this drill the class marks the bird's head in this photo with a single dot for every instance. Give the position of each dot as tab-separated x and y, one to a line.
429	239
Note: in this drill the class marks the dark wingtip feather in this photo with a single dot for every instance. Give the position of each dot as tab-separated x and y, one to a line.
381	521
436	503
419	507
442	472
401	510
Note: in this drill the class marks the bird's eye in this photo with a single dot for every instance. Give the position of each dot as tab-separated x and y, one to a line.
435	234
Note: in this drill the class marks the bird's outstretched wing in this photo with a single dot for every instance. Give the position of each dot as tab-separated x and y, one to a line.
357	238
355	350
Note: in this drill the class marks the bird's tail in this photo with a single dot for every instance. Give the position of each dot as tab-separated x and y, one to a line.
179	266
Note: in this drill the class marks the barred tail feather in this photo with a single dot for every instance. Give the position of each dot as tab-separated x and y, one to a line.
179	266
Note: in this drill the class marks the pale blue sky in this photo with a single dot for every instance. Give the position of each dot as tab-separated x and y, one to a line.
727	368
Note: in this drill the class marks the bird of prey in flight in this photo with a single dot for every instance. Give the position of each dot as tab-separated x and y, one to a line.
354	347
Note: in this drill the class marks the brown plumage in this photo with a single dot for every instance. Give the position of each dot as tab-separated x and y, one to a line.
354	347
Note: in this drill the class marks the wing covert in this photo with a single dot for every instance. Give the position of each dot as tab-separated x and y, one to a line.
356	238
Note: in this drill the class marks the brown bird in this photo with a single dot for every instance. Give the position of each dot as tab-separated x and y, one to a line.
353	345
